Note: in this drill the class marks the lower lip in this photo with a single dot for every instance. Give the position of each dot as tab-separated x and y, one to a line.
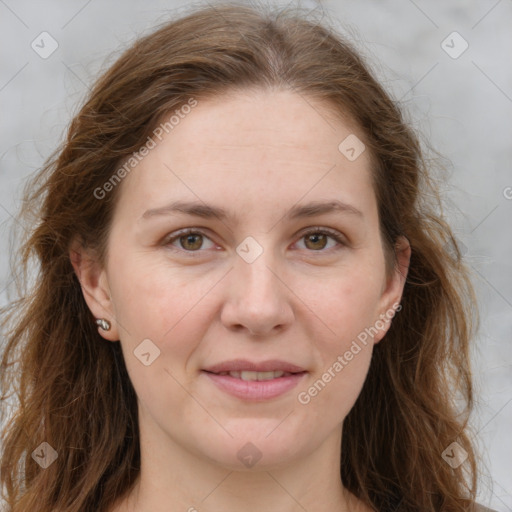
254	389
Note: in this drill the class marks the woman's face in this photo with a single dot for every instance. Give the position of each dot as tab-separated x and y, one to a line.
262	287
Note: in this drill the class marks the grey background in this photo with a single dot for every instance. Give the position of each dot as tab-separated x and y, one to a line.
463	106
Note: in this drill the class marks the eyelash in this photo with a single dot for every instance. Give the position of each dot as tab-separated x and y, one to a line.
313	231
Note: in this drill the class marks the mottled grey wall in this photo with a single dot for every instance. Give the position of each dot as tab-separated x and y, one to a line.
456	87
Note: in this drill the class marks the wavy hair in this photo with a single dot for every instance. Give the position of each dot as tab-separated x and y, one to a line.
72	389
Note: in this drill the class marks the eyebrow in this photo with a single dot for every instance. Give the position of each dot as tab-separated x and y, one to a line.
206	211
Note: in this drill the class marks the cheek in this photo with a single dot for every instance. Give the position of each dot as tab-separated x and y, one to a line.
348	307
350	372
172	308
163	309
349	304
334	387
157	298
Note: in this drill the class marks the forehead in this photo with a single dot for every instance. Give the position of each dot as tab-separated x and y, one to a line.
252	150
262	122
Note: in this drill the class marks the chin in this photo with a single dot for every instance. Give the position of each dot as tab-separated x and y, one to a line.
257	444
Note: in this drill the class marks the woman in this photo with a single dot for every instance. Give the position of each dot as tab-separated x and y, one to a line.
246	299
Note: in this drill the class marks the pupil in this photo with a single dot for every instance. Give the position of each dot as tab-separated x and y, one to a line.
190	240
315	238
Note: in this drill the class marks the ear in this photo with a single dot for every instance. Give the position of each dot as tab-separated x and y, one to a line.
95	288
389	303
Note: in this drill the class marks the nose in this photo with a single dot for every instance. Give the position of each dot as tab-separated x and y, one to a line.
257	298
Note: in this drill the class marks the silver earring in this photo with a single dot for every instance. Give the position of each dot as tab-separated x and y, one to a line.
103	324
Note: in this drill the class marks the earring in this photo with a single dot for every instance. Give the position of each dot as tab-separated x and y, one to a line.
103	324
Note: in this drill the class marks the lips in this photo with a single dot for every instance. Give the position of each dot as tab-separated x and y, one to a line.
241	365
251	376
253	381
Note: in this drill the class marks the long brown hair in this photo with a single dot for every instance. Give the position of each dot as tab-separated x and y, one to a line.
72	386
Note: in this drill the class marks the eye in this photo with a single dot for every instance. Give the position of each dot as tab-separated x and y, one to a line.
193	240
316	239
189	240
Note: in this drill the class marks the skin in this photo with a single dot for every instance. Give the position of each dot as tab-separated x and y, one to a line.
303	300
